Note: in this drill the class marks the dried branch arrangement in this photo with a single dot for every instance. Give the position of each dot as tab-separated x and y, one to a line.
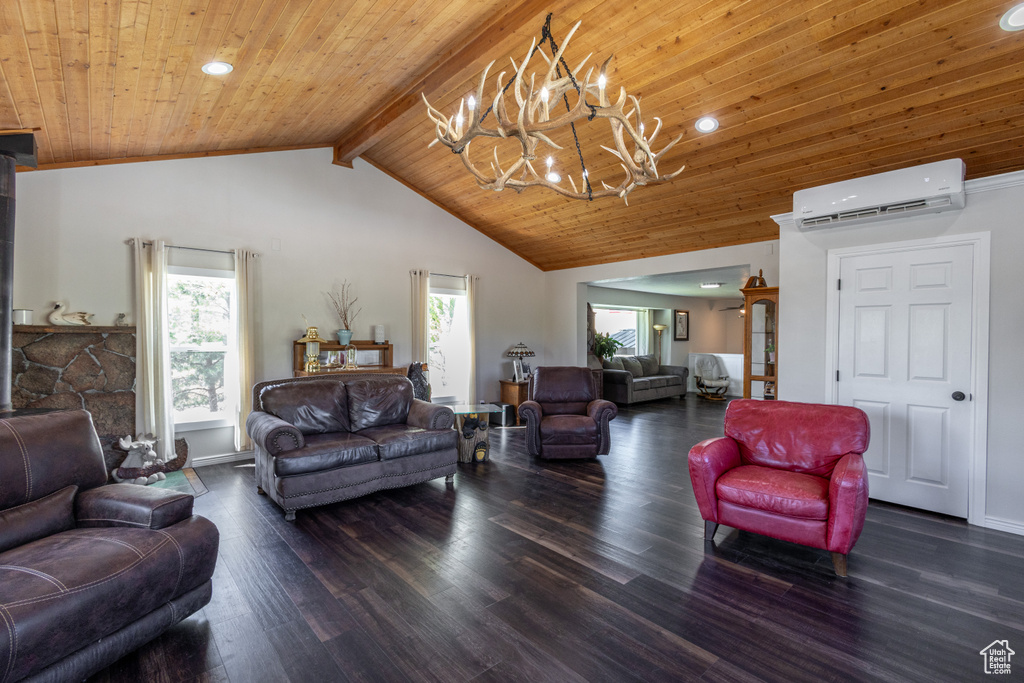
533	119
342	302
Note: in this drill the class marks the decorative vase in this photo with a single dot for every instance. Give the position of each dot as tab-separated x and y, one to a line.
344	337
771	357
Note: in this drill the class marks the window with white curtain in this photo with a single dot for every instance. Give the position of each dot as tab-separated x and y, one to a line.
203	346
448	324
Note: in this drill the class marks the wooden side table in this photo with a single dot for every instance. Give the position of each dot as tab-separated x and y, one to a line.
514	393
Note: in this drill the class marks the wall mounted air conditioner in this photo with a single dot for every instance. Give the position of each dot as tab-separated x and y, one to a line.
929	188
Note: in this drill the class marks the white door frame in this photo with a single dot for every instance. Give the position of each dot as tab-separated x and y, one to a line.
981	241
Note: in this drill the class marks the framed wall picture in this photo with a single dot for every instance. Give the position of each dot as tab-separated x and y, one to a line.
682	325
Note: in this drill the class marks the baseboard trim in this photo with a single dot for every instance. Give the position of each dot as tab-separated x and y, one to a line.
1004	525
204	460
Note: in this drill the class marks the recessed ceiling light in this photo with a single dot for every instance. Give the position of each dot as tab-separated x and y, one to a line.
710	285
706	124
1013	20
217	68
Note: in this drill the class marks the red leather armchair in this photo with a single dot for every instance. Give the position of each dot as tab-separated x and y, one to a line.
564	417
792	471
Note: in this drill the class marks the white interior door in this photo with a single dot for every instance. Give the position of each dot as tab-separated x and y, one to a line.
905	329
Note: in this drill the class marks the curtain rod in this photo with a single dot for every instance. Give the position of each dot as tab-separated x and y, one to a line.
461	277
131	242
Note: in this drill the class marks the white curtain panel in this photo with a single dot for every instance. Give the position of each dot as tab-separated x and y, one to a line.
245	262
420	312
154	413
472	284
643	332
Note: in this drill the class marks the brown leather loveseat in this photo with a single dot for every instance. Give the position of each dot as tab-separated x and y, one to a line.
88	571
325	439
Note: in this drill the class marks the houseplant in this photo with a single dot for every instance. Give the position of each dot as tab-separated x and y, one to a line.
343	304
604	345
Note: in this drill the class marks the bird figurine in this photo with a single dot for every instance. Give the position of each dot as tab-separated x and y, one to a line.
121	320
58	317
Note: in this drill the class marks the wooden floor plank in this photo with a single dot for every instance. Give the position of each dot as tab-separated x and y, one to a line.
571	571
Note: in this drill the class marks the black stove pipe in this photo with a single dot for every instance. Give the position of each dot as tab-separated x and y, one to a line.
7	195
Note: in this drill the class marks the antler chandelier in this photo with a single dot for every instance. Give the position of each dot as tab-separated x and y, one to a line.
537	115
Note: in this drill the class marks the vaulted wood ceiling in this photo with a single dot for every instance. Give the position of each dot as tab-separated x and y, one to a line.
807	92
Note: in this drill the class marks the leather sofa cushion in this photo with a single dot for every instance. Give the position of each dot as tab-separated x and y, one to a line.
319	407
42	517
785	493
326	452
613	363
40	454
130	505
649	364
632	366
563	385
559	430
400	441
377	401
769	433
65	591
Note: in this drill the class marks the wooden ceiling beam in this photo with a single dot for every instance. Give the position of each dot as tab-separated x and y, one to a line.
491	39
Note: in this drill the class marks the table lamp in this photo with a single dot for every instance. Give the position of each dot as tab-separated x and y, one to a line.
312	341
518	353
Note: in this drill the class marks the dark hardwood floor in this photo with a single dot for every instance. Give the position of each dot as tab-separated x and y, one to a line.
571	571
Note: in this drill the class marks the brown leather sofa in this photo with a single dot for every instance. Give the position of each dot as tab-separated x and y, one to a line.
325	439
88	571
564	417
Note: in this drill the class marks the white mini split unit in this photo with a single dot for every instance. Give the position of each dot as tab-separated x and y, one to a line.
929	188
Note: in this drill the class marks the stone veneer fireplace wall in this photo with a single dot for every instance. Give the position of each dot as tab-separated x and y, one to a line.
72	367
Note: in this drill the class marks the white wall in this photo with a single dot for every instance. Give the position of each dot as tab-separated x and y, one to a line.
711	329
332	223
566	329
802	353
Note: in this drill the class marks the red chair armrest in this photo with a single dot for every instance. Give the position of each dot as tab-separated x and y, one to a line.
848	503
708	461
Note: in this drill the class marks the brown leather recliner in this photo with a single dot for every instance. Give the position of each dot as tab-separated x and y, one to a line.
88	571
564	417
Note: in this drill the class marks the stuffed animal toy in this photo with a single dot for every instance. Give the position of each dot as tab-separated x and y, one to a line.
142	465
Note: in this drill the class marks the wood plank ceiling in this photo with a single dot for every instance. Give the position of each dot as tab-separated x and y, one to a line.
807	92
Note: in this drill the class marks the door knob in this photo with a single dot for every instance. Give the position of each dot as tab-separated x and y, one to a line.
959	396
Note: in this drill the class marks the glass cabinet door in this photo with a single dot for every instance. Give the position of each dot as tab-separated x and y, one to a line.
759	347
762	347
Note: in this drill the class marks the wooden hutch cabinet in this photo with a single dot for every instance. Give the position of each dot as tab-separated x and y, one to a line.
383	364
759	339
